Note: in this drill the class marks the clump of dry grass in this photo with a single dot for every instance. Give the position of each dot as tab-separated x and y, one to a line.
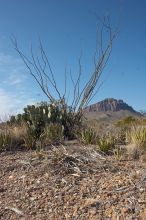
18	131
137	135
136	139
5	140
5	137
88	136
106	142
12	136
53	134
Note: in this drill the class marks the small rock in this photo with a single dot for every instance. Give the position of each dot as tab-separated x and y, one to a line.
11	177
32	198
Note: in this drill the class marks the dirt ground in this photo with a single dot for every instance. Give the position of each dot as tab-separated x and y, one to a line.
71	183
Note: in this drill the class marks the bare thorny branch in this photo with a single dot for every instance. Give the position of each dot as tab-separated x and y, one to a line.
38	67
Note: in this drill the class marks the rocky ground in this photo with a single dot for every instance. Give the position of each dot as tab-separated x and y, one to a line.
71	182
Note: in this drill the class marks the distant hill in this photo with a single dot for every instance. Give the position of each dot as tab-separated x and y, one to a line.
110	110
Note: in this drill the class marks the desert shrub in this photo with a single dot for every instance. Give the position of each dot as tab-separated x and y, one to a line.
133	151
53	134
88	136
44	124
30	137
136	141
126	122
5	140
39	116
120	136
11	136
17	133
142	121
106	143
35	117
137	135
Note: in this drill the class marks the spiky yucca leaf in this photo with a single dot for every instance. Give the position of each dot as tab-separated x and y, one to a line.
88	136
106	142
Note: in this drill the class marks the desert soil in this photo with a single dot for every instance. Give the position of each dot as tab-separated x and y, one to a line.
74	184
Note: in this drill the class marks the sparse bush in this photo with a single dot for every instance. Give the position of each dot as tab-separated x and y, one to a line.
53	134
136	141
133	151
120	136
137	135
126	122
106	143
88	136
117	152
18	131
5	140
12	135
30	138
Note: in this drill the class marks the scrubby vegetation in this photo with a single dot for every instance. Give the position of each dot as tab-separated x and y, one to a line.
40	125
43	125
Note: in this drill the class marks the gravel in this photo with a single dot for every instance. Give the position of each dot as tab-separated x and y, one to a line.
60	184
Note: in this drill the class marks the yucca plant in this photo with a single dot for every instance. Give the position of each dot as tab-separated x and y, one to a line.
136	141
106	143
137	135
88	136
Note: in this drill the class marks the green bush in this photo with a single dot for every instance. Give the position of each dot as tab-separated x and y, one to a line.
39	116
88	136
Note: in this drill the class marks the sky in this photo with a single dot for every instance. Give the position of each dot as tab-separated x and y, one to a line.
67	29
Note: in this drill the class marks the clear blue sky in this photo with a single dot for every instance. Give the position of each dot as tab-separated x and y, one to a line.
66	27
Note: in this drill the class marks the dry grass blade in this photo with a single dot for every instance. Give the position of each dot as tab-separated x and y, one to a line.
17	211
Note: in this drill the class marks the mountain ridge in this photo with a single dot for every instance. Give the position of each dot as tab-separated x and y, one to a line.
109	104
110	110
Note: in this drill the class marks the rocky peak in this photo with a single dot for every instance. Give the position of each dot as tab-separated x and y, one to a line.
109	104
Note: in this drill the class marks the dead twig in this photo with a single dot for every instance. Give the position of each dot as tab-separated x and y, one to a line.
17	211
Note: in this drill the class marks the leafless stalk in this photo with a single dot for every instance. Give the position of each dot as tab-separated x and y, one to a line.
38	67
